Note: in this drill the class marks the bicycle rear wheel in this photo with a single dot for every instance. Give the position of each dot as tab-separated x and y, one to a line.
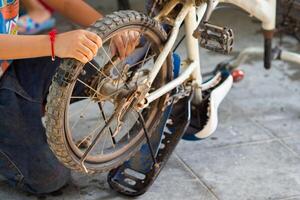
93	115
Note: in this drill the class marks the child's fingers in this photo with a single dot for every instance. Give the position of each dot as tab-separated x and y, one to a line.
126	42
91	45
79	44
95	38
133	38
80	57
130	44
113	49
87	52
137	38
120	46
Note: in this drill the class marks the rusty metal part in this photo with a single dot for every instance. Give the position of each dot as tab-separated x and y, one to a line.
122	111
215	38
117	88
165	9
268	34
114	88
133	101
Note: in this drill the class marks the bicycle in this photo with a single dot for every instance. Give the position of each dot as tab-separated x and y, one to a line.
151	99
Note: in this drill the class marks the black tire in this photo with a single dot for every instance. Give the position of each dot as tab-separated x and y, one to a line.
63	83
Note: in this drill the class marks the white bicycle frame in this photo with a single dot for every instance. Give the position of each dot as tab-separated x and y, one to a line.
264	10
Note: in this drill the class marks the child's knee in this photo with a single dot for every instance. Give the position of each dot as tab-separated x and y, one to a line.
47	184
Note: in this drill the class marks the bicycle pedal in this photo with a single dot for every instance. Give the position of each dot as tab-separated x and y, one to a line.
215	38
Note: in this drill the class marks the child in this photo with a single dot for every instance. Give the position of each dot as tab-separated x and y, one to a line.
26	71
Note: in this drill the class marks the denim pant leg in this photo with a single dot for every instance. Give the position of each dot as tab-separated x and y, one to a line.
25	158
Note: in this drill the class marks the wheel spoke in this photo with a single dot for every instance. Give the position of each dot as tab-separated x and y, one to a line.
118	84
90	135
86	85
78	97
115	67
98	70
104	143
147	52
131	112
81	113
83	140
143	63
96	139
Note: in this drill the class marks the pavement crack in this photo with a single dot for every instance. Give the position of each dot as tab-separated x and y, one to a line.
280	140
292	197
188	168
270	132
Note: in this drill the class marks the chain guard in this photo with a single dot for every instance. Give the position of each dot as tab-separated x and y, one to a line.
135	176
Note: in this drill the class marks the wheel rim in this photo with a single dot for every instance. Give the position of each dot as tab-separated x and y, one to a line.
98	159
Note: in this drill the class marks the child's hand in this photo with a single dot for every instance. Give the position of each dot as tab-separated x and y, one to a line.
79	44
124	43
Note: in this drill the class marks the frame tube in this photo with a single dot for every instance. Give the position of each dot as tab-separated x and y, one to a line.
290	57
170	43
194	66
172	84
193	52
264	10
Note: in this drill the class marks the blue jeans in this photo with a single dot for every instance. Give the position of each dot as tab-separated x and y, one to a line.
26	161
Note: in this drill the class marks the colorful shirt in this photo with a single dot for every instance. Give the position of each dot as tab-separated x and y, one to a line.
9	12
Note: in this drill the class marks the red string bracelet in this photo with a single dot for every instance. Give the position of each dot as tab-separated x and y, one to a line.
52	35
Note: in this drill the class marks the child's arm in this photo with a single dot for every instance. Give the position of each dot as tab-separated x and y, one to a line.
80	44
76	10
15	47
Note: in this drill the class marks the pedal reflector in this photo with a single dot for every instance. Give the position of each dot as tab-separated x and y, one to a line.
238	75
